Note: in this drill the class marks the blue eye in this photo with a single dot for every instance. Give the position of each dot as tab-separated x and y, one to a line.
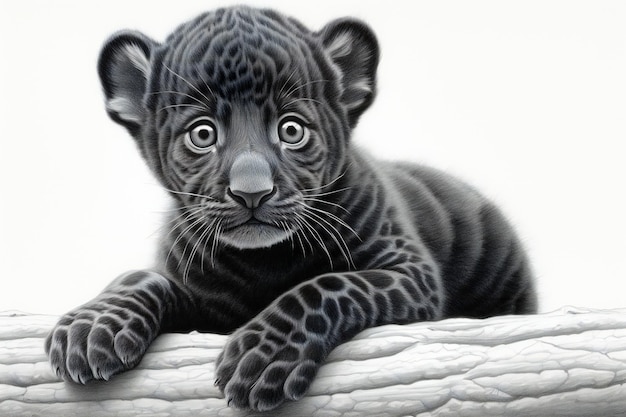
201	136
292	131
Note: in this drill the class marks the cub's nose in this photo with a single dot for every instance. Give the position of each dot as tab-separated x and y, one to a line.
251	200
251	182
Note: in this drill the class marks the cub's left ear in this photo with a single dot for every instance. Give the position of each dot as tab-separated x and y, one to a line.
353	48
124	67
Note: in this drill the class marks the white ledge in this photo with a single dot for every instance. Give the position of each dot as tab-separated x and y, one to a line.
571	362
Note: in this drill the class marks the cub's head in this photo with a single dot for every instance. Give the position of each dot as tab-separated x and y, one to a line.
243	114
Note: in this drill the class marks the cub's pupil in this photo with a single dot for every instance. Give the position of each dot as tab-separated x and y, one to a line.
203	133
292	130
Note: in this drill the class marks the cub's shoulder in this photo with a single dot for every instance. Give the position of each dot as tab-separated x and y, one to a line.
425	179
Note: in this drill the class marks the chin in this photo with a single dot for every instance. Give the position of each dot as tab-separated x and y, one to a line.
256	236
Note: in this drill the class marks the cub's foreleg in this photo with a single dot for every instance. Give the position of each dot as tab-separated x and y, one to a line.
276	355
110	333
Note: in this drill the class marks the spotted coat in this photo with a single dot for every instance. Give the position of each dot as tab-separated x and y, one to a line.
283	233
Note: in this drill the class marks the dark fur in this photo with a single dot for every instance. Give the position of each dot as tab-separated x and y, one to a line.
341	242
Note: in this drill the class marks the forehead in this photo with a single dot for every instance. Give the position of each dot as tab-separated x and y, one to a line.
238	53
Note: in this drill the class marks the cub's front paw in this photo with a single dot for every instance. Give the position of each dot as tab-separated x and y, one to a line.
89	343
261	367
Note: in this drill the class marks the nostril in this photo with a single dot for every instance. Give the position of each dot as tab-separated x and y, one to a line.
237	197
251	200
267	196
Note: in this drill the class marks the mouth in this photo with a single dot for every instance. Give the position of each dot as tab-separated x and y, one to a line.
251	222
253	233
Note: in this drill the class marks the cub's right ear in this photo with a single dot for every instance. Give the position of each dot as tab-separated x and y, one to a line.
124	68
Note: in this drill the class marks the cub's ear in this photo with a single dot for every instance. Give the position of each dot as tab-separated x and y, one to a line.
353	48
124	67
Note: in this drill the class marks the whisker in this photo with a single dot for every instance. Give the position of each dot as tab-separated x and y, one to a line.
326	185
173	106
218	230
189	227
333	217
302	230
190	194
296	88
179	237
292	235
302	99
287	82
318	200
287	230
210	227
316	236
190	213
338	234
300	234
194	250
189	259
178	208
184	210
329	192
188	83
207	86
334	235
202	103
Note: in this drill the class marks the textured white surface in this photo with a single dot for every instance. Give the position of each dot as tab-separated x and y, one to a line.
571	362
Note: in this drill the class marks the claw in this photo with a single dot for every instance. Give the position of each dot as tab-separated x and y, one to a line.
101	375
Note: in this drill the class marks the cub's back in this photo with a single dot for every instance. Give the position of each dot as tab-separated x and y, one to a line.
483	266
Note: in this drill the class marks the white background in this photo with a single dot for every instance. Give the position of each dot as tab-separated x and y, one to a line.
526	100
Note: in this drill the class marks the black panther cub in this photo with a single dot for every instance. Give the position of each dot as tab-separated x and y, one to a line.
284	233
